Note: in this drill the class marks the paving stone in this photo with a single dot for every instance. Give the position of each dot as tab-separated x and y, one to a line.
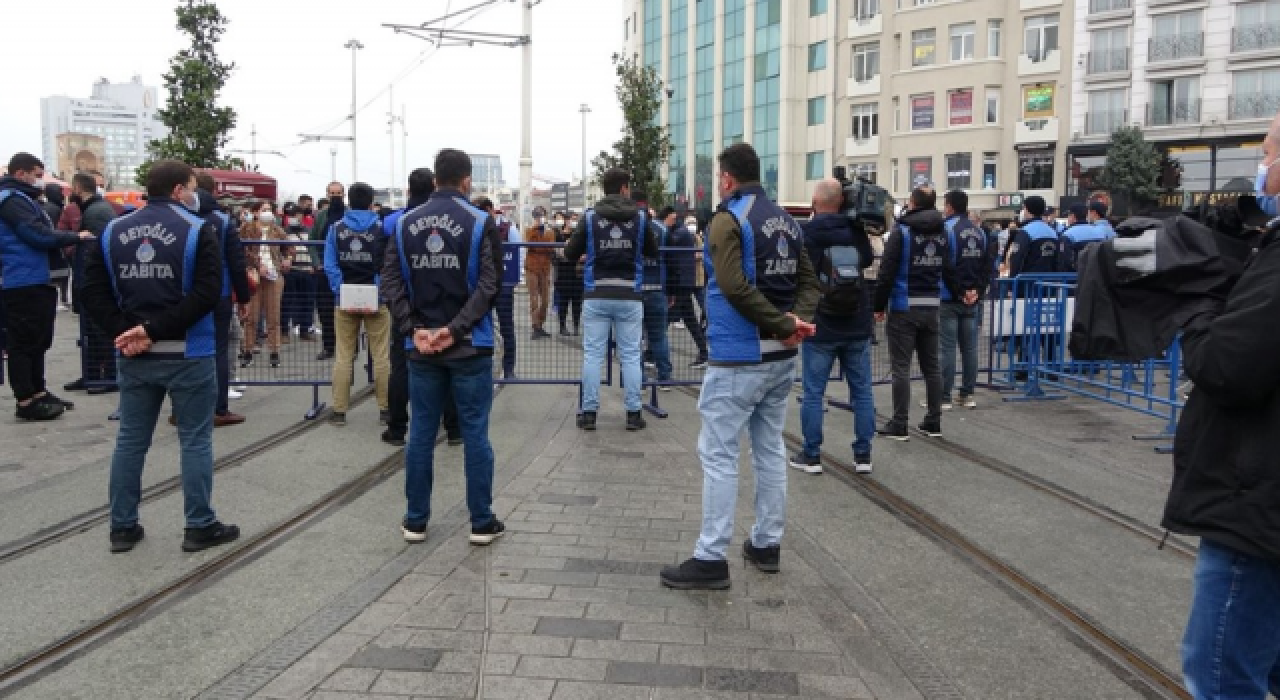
395	637
743	681
447	639
720	617
577	628
500	664
537	645
500	622
376	618
666	634
411	589
819	686
560	578
433	619
600	565
578	551
568	500
668	598
561	668
699	694
458	662
813	642
631	673
798	661
353	679
512	561
523	538
558	518
590	595
704	656
521	590
648	582
625	613
612	650
450	685
572	690
395	659
749	639
512	688
523	526
546	608
340	695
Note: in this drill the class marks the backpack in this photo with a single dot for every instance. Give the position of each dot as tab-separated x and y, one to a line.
840	279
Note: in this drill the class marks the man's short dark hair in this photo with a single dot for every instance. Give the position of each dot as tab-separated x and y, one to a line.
483	203
666	211
84	182
206	182
958	200
360	195
166	175
452	167
1034	205
305	198
1099	207
741	162
923	197
422	182
614	179
24	162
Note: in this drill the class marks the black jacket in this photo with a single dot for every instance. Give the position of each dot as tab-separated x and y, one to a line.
95	214
682	267
232	250
824	231
896	291
1226	469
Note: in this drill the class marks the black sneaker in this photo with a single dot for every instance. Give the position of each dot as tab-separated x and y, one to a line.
413	534
862	464
384	417
695	574
483	536
77	385
101	389
338	418
894	431
932	428
766	559
635	420
124	539
700	363
564	330
40	411
453	440
393	438
246	360
275	359
539	334
49	397
324	355
202	538
805	463
587	420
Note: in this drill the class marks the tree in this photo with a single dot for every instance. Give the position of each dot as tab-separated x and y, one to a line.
645	143
1132	169
198	128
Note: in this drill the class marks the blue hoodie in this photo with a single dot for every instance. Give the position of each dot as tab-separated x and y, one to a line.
347	263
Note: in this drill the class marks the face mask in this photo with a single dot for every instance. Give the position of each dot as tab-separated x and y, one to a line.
102	191
191	200
559	224
266	217
335	201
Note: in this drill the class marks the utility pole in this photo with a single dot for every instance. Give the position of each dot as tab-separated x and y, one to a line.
391	129
404	147
526	116
354	45
585	110
333	164
253	152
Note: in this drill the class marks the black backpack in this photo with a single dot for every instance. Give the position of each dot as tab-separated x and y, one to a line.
840	279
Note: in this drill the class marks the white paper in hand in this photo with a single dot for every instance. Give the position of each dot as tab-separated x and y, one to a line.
358	298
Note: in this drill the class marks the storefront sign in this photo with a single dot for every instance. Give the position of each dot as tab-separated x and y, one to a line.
1187	200
921	171
922	113
1038	101
1012	200
961	107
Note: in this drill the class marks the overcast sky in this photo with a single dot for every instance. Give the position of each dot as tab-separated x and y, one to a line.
294	76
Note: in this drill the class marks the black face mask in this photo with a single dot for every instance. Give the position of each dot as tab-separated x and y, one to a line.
306	211
335	202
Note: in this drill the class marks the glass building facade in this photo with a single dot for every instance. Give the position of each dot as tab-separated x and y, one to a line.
678	104
653	34
735	76
766	90
704	103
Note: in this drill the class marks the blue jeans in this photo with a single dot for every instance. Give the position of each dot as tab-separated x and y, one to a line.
958	322
1231	650
855	360
752	397
625	318
192	387
471	381
655	330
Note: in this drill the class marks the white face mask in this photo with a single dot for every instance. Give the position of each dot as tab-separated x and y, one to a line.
102	191
266	217
191	200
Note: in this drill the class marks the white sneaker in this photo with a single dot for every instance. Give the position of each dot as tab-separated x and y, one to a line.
679	324
946	405
968	402
862	465
234	395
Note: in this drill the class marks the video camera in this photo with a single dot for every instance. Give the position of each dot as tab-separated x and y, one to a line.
864	203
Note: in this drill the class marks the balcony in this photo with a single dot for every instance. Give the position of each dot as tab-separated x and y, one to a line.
1038	130
1040	62
1104	123
864	88
1176	47
1257	37
866	26
1257	105
1182	112
1037	4
1099	7
1107	61
855	147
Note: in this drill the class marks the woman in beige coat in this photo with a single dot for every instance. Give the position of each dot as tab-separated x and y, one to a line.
271	263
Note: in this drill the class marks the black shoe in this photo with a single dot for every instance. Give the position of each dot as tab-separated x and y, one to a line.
77	385
695	574
564	330
766	559
324	355
587	420
700	363
246	360
509	375
575	330
393	438
124	539
202	538
453	440
40	411
338	418
384	417
482	536
275	359
49	397
413	534
932	428
539	334
894	431
103	389
805	463
635	420
862	464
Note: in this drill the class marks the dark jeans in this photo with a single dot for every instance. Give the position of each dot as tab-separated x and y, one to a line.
31	313
655	331
569	301
959	323
299	305
398	386
324	306
683	311
506	307
97	352
914	332
471	382
222	338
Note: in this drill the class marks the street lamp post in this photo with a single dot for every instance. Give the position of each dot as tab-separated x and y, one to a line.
354	45
585	110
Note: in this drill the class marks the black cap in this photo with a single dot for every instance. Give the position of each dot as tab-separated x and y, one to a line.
1098	207
1035	205
1080	211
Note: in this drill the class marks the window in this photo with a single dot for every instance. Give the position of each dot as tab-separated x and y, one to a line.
1106	111
817	7
1041	36
626	28
993	38
921	112
960	107
866	62
865	171
993	105
894	166
989	161
1175	101
1108	51
818	56
817	111
921	171
1256	94
923	45
866	121
1176	36
959	171
814	165
1257	26
1035	170
922	3
962	39
865	10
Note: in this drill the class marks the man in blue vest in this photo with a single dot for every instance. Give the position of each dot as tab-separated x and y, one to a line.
422	182
153	285
658	352
616	237
235	278
1035	247
973	255
915	266
760	286
27	237
1098	217
506	304
1078	236
441	278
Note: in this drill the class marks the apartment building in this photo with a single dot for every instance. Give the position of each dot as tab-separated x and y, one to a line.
1201	77
122	114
